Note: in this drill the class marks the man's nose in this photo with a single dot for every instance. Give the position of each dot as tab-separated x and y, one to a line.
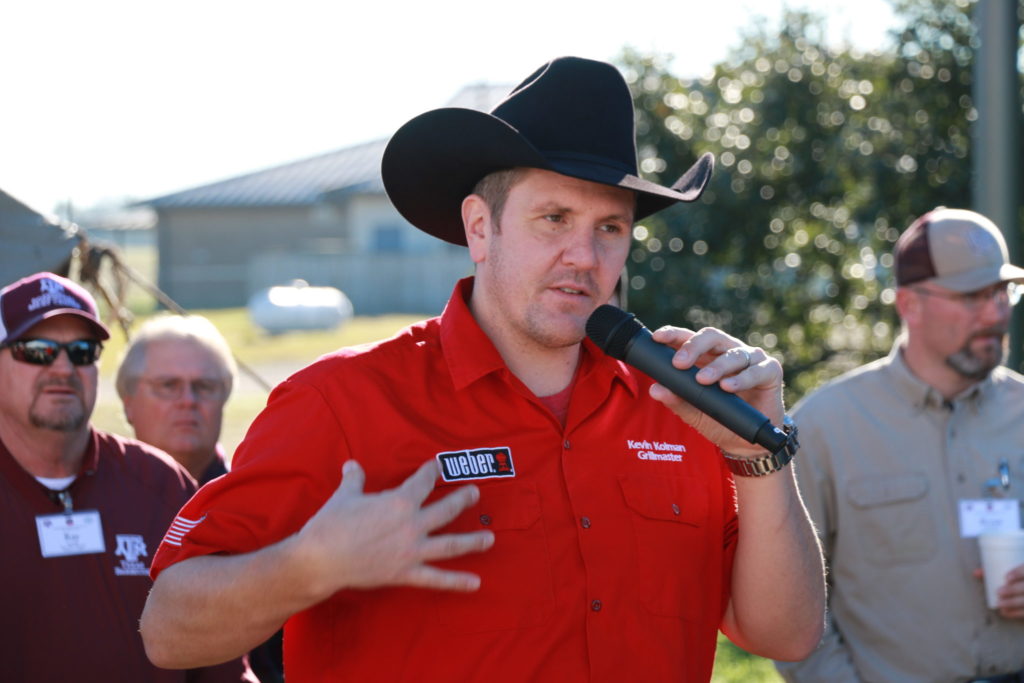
581	250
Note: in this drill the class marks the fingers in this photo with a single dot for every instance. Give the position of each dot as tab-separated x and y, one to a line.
425	576
418	486
1011	594
703	347
720	357
440	512
447	546
353	478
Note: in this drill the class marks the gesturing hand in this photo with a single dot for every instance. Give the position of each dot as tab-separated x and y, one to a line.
363	540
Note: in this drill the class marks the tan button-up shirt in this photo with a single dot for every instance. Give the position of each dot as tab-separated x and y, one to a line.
883	464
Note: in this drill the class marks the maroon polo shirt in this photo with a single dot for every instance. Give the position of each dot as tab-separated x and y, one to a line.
75	618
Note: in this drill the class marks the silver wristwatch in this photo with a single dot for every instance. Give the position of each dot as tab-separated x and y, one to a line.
766	464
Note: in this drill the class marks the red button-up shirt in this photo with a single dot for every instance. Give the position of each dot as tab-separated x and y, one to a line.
614	534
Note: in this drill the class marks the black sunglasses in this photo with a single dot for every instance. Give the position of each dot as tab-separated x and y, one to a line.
45	351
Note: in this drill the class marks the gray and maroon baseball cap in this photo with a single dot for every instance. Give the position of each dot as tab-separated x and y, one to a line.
954	248
42	296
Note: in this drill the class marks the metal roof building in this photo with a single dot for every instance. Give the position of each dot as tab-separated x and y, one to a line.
324	219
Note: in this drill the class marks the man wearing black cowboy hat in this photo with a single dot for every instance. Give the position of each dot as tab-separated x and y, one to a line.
580	531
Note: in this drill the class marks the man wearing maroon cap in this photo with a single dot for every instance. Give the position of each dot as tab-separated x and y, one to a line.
905	460
81	511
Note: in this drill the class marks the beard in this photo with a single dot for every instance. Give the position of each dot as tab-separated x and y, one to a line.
65	417
974	366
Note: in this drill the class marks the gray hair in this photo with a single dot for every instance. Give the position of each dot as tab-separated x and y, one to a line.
169	327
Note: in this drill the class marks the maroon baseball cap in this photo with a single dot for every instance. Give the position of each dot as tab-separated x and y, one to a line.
42	296
956	249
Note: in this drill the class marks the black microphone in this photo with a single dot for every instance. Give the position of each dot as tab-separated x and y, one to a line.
622	336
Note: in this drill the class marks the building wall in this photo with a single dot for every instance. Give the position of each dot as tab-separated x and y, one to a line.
213	258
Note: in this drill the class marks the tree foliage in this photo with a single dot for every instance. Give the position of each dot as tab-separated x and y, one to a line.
824	155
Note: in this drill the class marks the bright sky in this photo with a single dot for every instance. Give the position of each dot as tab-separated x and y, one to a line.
104	99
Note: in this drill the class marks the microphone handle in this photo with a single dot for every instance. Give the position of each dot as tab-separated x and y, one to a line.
727	409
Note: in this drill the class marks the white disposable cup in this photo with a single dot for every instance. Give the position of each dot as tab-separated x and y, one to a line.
1000	552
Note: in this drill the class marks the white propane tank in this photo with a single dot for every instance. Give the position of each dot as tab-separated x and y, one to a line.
297	306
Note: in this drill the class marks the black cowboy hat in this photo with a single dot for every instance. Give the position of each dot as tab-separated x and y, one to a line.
573	116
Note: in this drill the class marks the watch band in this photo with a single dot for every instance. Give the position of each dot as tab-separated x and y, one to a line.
766	464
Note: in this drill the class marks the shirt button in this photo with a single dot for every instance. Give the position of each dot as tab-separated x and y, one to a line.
566	445
485	520
585	522
675	509
595	605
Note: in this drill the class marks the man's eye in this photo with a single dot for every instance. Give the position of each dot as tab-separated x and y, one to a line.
205	387
553	218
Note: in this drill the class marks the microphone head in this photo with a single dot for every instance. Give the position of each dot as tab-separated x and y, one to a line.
612	329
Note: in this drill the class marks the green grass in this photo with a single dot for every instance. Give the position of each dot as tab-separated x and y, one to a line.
733	665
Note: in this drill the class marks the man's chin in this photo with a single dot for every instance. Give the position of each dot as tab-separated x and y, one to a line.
974	365
67	421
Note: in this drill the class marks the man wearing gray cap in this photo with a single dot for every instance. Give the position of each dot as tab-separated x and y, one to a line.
904	460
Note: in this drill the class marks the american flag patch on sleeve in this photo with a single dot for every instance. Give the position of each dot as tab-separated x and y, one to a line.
179	527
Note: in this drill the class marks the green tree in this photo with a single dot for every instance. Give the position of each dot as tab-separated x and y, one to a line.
823	157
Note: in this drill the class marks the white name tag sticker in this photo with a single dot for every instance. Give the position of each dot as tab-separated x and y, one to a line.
983	516
79	533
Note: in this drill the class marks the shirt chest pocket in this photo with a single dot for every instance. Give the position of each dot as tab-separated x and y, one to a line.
673	548
516	588
894	523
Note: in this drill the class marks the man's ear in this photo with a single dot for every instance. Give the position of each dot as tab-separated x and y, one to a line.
908	305
476	219
126	406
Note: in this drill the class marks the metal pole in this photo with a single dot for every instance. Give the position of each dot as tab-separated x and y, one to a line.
994	178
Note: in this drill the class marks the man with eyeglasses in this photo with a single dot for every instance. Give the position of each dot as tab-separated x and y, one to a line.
81	511
904	460
176	376
174	380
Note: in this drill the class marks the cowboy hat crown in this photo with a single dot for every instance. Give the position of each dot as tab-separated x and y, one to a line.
572	116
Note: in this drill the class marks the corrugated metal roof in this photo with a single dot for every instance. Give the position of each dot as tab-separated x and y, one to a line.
297	183
316	179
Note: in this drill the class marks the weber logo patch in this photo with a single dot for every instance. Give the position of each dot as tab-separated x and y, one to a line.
479	463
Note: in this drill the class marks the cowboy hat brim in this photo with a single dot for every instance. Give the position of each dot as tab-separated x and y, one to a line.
435	160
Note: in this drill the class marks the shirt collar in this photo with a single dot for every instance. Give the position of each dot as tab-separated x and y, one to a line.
470	353
91	461
922	395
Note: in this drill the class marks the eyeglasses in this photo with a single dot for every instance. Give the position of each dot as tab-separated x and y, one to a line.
45	351
1003	293
173	388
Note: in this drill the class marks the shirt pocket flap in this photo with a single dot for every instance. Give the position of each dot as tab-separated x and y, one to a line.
666	498
885	490
501	507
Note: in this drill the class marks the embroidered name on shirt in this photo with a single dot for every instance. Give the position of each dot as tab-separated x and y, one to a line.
657	450
479	463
